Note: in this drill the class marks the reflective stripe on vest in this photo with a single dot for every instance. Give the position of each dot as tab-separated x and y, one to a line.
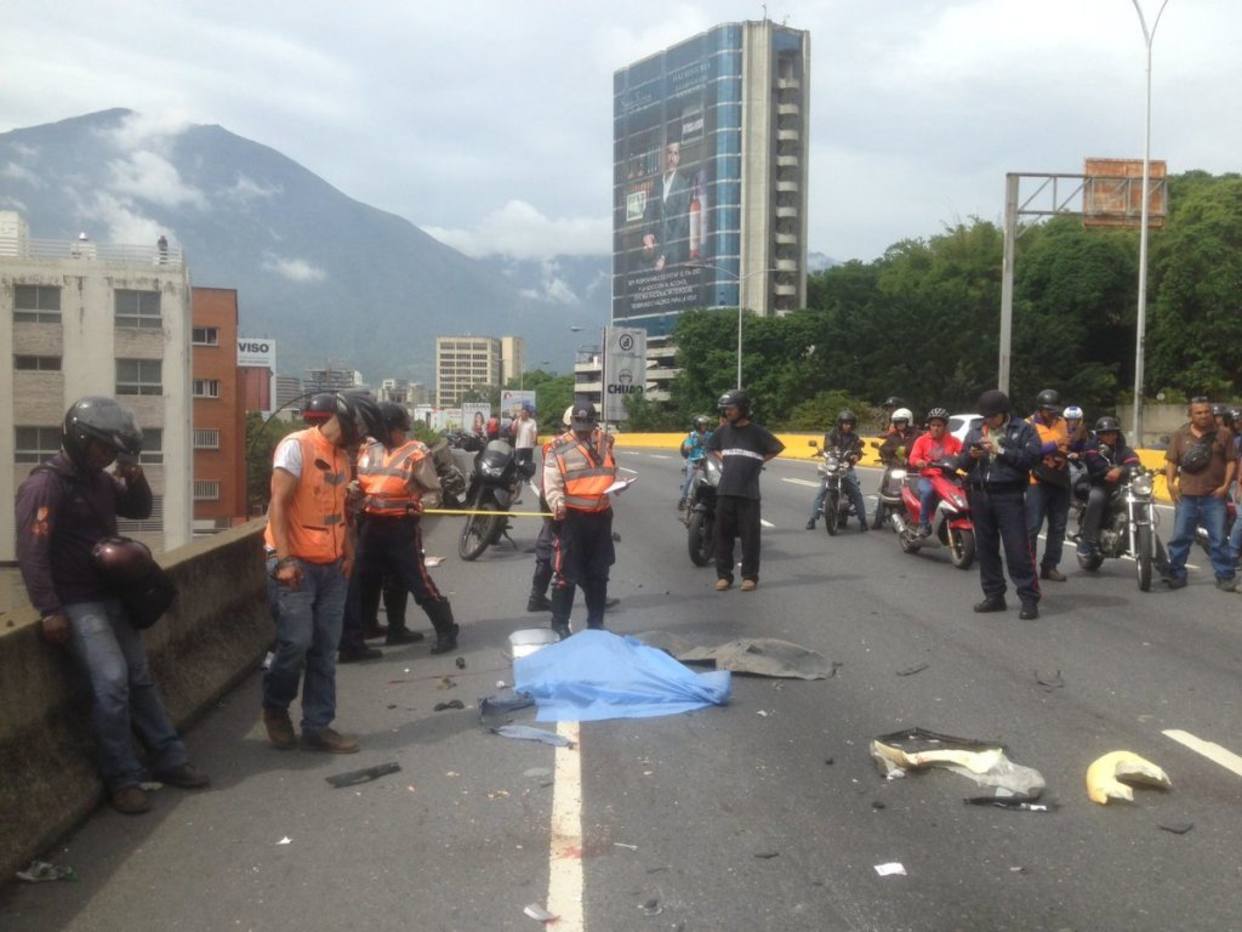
387	478
316	531
586	479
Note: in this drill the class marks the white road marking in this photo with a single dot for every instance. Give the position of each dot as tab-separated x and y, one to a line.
659	456
766	523
565	885
806	482
1212	751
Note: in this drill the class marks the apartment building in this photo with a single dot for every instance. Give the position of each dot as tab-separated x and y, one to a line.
465	363
219	436
85	318
512	359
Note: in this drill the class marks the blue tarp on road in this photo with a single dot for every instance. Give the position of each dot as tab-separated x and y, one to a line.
597	675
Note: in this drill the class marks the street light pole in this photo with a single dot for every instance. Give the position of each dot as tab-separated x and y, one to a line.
740	309
1149	36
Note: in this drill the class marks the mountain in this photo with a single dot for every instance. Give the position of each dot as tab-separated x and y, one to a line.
332	280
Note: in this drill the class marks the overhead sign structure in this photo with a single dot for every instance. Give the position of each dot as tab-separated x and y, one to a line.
625	369
256	353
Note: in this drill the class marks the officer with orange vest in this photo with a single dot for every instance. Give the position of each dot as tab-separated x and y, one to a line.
309	560
576	475
393	478
1049	492
539	582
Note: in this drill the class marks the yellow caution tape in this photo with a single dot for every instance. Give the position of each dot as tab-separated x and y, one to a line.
471	511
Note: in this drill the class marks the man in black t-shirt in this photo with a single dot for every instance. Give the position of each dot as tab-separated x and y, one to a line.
742	448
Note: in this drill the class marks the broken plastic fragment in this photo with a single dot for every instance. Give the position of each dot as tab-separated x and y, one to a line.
285	841
43	871
899	753
910	671
527	733
452	704
1177	828
538	913
365	775
891	869
1108	775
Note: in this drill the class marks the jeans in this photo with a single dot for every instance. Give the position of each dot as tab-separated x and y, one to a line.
308	631
1097	501
1193	511
1000	519
928	500
1235	541
692	467
1053	502
124	696
852	490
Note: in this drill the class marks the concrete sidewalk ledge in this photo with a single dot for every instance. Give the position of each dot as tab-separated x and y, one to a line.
213	636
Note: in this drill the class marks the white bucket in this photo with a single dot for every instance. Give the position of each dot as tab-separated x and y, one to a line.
525	642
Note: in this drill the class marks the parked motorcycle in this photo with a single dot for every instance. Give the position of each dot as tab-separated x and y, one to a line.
700	513
837	508
952	526
454	455
1128	527
494	486
888	501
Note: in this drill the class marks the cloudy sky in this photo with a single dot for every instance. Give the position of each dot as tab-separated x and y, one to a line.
489	123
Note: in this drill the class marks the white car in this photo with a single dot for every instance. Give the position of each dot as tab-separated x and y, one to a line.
961	424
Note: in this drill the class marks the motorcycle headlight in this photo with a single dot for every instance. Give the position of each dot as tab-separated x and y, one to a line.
898	475
491	469
1142	485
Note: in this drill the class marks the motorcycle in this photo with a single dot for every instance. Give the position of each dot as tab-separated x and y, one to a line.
888	500
453	456
700	514
1128	527
952	526
494	486
837	508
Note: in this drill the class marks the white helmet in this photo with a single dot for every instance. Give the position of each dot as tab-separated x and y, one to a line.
1072	413
903	414
569	416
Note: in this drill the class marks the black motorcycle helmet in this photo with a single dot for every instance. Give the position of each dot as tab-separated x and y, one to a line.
584	416
846	416
894	401
396	417
737	398
938	414
994	402
124	561
320	409
1106	424
702	422
359	417
1049	400
97	417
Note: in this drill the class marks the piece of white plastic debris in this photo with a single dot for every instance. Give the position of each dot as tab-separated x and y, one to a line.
1108	775
434	561
891	869
538	913
762	713
501	684
621	844
285	841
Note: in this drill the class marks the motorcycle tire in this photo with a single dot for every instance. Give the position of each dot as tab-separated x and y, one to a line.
908	544
832	514
700	538
962	548
1145	557
478	533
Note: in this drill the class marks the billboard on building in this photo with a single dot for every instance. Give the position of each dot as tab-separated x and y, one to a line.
677	177
511	400
625	369
255	353
474	416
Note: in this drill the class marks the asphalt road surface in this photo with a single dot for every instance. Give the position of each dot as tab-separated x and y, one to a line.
765	814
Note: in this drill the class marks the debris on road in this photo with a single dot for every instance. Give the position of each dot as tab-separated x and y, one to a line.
984	763
877	805
452	704
539	914
1177	828
433	562
767	855
753	656
446	682
1011	802
621	844
365	775
461	663
762	714
891	869
910	671
285	841
597	675
1108	775
651	907
527	733
504	703
1049	683
45	871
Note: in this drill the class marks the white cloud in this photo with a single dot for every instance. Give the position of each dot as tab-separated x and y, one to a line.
13	203
151	177
125	223
296	270
27	153
245	189
519	230
153	129
21	173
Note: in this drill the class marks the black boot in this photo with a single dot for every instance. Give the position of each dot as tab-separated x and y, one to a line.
596	595
356	654
538	602
441	614
562	608
993	603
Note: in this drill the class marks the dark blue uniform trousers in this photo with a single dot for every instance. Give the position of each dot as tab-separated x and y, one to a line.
1000	518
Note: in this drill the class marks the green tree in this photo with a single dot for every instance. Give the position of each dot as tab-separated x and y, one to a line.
261	440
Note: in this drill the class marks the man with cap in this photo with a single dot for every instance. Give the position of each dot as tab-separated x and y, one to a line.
577	473
998	456
1049	493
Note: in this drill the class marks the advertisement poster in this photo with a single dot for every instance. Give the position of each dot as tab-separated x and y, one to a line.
625	370
511	400
474	417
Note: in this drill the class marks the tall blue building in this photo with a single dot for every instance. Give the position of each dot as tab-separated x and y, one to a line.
709	176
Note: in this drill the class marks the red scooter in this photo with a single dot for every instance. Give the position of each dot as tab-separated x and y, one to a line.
951	525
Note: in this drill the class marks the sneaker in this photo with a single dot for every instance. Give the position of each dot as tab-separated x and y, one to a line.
358	654
538	603
187	777
131	800
748	585
1051	573
1175	582
1227	585
723	584
280	729
446	641
402	636
1029	612
991	604
330	741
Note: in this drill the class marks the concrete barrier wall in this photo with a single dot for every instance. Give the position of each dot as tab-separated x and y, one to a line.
214	635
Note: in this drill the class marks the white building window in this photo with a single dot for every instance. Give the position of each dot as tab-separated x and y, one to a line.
152	446
139	377
206	490
205	336
138	309
38	304
152	524
206	438
37	363
36	444
206	388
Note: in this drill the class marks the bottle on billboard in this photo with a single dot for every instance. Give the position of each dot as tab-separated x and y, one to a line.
696	224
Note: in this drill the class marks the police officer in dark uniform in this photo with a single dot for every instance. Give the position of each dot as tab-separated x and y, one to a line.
998	457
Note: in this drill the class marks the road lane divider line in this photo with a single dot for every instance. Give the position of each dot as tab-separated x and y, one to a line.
659	456
794	481
565	880
1209	749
